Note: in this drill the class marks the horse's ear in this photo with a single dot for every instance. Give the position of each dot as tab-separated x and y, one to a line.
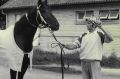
39	2
46	2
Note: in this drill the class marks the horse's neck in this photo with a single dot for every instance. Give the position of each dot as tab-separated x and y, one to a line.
24	32
32	16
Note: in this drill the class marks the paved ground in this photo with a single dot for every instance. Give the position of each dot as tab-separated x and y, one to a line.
38	74
41	74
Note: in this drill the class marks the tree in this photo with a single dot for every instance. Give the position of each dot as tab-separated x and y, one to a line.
2	2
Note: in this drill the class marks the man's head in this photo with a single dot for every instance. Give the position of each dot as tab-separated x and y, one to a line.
92	23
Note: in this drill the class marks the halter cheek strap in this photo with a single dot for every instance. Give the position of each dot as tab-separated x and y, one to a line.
43	23
29	21
43	20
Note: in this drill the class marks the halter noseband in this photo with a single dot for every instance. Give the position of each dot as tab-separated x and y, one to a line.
43	23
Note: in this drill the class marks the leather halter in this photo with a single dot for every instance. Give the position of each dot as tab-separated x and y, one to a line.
42	24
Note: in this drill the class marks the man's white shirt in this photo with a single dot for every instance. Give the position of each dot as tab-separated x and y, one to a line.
90	47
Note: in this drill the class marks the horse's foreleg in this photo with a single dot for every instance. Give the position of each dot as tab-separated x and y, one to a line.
25	64
13	74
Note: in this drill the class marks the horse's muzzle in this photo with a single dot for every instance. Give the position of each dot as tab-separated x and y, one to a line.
54	27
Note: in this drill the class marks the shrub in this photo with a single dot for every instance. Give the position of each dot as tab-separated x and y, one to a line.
111	61
44	57
48	57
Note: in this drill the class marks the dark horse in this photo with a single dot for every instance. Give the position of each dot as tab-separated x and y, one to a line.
24	31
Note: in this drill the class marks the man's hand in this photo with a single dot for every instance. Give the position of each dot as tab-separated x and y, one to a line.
99	25
61	45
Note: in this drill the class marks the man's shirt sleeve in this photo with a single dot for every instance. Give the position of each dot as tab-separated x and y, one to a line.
79	40
77	43
102	36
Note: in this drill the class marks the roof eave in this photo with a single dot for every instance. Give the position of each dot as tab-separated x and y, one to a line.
21	7
56	4
77	3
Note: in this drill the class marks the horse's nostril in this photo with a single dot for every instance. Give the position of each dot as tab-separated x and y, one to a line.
55	28
57	25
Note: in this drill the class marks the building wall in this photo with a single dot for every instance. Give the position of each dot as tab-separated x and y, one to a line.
13	17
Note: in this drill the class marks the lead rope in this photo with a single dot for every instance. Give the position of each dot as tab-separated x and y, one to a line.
62	52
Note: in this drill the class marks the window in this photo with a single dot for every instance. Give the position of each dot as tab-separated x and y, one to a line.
2	21
84	14
104	14
88	14
109	16
114	15
80	15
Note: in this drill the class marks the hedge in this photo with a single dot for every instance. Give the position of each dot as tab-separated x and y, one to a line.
48	57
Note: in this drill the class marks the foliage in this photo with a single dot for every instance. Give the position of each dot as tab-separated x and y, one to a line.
111	61
2	2
47	57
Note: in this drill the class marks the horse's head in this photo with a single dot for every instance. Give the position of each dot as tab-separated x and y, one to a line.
45	16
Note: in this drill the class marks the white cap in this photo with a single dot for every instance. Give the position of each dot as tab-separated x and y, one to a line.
93	20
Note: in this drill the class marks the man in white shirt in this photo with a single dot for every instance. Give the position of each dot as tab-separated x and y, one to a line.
91	48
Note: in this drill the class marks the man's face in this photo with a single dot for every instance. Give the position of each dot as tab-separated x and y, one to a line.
90	27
